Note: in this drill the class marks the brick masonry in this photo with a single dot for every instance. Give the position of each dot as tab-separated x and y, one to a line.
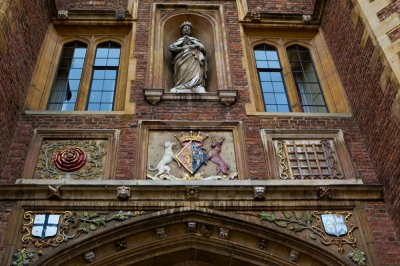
23	27
282	7
371	109
370	136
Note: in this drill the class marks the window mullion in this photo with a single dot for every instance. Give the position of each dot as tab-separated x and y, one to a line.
86	77
294	99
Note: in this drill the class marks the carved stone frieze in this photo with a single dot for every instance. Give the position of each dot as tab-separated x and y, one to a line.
192	192
89	256
120	14
223	233
160	232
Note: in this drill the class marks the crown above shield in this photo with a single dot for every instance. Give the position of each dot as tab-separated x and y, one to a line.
184	137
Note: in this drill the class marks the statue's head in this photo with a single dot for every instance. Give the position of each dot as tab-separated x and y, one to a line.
186	28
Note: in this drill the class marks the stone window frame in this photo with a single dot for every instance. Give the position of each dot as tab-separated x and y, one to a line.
145	126
39	135
268	137
47	65
312	39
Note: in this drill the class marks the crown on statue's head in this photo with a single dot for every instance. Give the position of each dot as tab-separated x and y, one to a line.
186	23
184	137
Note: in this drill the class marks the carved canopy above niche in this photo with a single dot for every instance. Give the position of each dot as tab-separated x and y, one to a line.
208	26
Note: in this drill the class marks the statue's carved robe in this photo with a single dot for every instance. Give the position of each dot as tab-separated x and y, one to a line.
190	65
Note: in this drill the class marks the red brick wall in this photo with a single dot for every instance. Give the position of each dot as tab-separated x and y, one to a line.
282	6
23	29
91	4
371	106
5	210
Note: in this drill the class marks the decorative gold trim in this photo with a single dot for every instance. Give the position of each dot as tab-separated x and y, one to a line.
40	244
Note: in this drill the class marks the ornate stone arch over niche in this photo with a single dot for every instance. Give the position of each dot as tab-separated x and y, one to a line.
196	235
208	26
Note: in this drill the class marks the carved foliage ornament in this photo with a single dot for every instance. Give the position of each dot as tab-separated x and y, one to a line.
43	229
76	158
332	228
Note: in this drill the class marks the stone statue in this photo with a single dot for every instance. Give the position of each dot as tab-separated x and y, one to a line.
189	62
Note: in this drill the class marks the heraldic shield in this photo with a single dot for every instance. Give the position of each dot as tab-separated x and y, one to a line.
192	156
45	225
334	224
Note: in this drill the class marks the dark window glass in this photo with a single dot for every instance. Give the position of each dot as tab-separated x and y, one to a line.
308	87
66	84
104	77
271	80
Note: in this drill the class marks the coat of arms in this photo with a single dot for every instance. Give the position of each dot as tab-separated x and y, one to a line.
192	156
334	224
45	225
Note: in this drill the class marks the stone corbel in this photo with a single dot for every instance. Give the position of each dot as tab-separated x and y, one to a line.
227	97
153	96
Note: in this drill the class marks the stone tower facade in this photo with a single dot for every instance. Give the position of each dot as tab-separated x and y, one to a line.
225	132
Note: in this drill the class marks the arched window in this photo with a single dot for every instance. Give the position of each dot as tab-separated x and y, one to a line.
104	77
307	83
271	80
65	87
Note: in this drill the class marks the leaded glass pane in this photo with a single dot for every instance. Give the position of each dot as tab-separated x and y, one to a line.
105	72
305	76
66	84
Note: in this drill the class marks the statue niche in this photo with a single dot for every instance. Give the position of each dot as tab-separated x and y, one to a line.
189	62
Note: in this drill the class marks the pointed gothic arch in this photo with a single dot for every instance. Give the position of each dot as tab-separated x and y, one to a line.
164	238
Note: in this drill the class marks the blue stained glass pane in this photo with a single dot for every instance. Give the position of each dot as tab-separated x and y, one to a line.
274	64
100	62
93	107
111	74
73	96
281	98
276	76
109	85
271	108
272	55
260	55
262	64
99	74
283	108
77	63
269	98
265	76
105	107
278	86
68	107
107	97
95	97
102	53
113	53
112	62
266	87
79	53
75	73
97	85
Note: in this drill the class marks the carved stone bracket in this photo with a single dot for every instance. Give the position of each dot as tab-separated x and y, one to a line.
259	193
62	14
120	14
225	97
